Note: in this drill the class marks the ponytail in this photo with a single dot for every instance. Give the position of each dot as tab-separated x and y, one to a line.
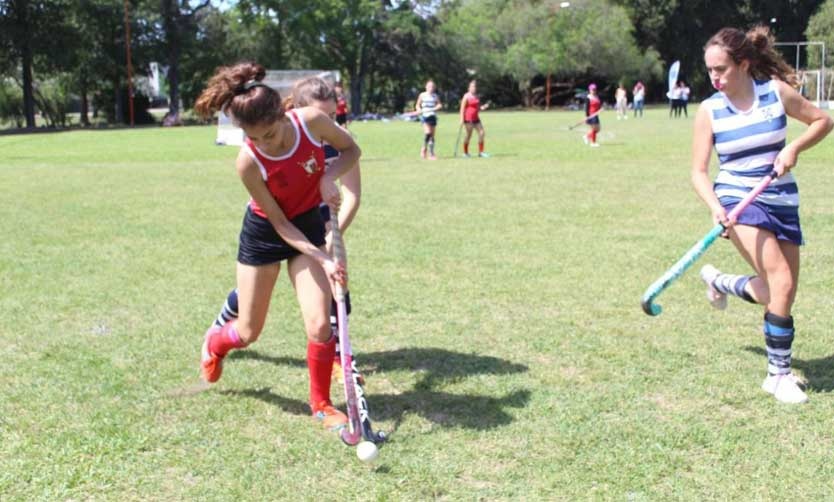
238	91
757	47
769	63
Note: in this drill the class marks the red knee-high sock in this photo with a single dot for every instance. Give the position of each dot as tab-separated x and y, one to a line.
593	135
221	343
465	147
480	147
320	365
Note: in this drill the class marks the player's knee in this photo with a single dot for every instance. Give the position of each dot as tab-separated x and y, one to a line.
318	328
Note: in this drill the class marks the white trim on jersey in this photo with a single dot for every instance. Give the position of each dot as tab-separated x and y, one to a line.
256	159
307	131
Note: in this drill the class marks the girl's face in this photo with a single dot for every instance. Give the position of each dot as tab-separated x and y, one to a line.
724	73
473	88
429	87
264	136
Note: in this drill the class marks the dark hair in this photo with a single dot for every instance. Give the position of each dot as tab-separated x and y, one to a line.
239	92
756	47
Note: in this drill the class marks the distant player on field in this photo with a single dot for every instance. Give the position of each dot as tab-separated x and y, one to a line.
745	122
341	106
470	107
593	106
621	97
428	103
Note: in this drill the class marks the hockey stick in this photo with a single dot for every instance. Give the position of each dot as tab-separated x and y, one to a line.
695	252
574	126
359	423
457	141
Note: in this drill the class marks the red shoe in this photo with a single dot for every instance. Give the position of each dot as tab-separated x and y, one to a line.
211	366
331	418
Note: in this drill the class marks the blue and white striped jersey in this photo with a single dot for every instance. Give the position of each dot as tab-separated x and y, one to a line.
747	143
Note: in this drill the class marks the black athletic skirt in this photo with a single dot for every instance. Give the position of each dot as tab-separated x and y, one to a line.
430	120
260	244
341	118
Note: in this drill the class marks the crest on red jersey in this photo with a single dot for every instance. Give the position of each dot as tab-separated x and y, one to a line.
310	165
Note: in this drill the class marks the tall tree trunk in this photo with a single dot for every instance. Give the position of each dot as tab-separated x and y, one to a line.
85	103
355	93
171	24
120	116
26	62
174	76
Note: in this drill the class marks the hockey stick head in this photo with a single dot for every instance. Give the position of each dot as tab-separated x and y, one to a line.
650	308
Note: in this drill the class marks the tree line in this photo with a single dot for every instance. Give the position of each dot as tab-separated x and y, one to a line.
523	52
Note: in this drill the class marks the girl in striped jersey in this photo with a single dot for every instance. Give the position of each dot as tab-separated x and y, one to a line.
746	123
317	93
427	105
282	166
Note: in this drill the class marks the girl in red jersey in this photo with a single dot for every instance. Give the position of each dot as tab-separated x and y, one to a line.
341	106
282	167
315	92
593	105
470	106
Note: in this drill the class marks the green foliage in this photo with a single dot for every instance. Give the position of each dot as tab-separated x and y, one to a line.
525	38
821	29
678	29
52	96
11	102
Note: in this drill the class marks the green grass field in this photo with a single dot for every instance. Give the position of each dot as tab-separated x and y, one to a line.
496	315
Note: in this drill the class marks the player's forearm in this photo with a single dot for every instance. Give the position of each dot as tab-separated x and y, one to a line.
295	238
347	160
348	209
703	187
815	133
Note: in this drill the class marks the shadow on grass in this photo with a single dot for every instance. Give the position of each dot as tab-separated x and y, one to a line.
818	372
438	367
265	394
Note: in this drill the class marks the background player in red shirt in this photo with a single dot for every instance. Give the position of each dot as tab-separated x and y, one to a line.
282	166
470	106
593	106
341	105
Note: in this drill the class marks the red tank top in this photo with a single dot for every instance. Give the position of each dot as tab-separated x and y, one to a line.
594	104
471	108
341	106
293	178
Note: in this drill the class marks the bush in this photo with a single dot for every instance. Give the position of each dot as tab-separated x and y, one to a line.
53	99
11	103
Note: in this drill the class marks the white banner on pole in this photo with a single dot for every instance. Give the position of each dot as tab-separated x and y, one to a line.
154	80
673	77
